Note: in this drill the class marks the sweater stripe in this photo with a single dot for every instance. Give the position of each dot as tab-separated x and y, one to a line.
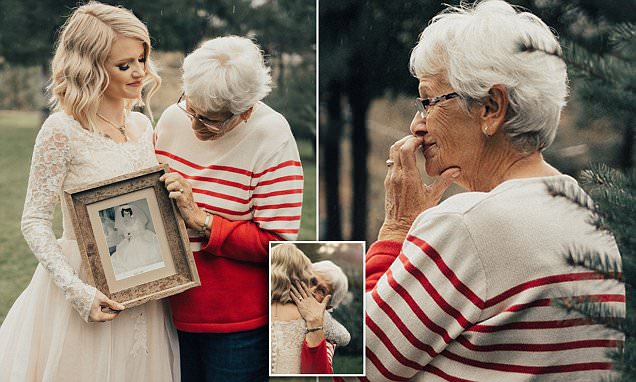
543	281
195	166
276	218
383	370
289	163
441	302
433	370
220	195
402	327
246	201
210	207
215	180
546	347
532	325
415	308
446	271
579	299
278	206
371	325
278	193
564	368
232	169
285	178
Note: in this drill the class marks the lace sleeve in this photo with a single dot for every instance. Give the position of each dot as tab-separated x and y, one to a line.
335	332
51	157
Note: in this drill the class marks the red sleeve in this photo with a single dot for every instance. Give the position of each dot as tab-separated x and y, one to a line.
379	258
314	360
240	240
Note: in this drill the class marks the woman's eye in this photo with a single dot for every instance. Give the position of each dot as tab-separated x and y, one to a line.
142	59
123	67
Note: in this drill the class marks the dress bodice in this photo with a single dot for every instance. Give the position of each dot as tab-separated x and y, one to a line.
94	157
287	340
65	156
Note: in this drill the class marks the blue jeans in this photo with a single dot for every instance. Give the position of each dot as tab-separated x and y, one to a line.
235	357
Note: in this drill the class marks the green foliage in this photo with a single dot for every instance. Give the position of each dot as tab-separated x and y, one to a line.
21	88
295	98
612	206
614	194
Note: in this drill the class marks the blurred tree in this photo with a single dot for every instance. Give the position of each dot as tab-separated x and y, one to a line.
286	30
364	47
596	40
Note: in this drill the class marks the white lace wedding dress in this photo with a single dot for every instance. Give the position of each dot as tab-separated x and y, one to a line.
287	340
45	336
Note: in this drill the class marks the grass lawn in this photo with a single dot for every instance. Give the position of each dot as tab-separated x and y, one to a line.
17	263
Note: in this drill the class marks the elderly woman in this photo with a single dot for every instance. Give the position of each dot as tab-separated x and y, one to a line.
238	182
301	329
330	280
469	289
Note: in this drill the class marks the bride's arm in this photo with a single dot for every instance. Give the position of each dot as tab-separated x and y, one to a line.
335	332
49	166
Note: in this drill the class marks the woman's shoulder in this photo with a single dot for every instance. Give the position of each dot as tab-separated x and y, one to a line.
285	312
269	120
140	120
60	124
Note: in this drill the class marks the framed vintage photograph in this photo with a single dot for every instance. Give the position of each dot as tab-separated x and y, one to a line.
132	238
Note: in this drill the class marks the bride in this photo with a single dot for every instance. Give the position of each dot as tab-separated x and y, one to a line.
56	330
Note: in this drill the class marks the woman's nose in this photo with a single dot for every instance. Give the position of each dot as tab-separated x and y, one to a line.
418	125
139	70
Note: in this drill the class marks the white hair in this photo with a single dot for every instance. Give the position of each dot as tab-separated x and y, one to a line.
334	275
226	74
480	46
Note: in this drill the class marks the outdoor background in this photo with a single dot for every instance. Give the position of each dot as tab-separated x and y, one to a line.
350	257
285	29
366	96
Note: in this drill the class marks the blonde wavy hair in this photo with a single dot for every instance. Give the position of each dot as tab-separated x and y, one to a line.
79	78
288	263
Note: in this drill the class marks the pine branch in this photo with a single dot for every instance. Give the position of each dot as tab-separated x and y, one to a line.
596	311
612	70
570	191
622	34
600	263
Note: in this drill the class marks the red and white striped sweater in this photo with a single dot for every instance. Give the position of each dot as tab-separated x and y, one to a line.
251	180
472	294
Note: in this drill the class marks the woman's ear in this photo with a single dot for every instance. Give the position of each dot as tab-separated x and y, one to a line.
494	109
246	114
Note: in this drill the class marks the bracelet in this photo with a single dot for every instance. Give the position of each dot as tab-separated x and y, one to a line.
309	330
204	227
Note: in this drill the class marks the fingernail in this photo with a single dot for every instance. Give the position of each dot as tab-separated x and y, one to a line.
456	173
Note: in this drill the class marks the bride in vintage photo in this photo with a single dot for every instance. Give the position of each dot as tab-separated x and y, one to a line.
56	330
139	250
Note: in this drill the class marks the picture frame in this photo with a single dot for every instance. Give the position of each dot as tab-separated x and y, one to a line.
131	237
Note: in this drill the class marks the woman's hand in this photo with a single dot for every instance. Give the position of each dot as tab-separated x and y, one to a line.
101	301
406	195
310	309
181	191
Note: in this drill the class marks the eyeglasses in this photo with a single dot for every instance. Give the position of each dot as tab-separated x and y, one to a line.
423	104
214	126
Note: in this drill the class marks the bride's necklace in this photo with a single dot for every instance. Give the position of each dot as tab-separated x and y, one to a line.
120	128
